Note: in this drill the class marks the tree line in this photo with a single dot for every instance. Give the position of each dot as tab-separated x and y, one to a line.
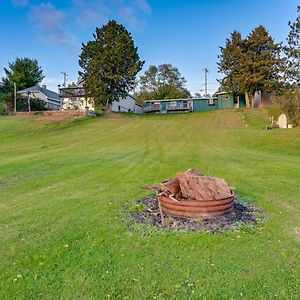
110	63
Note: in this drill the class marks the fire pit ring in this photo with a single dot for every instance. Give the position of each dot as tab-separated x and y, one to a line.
196	209
191	194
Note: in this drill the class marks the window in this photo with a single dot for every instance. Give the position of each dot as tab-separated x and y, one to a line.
211	102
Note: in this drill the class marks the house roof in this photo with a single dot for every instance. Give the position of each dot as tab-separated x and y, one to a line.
183	99
49	94
221	93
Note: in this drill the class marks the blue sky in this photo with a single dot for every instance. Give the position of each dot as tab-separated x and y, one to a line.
186	33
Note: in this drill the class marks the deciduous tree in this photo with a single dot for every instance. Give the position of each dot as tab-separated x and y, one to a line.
162	82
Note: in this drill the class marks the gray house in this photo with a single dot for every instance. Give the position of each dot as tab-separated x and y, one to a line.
50	98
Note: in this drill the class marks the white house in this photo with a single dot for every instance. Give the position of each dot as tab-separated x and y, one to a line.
127	104
51	99
74	98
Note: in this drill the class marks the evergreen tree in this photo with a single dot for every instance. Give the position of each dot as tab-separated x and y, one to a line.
110	63
231	60
252	65
292	51
25	72
162	82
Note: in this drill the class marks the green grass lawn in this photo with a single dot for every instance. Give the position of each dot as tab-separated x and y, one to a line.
64	188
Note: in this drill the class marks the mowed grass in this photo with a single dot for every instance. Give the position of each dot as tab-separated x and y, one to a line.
64	189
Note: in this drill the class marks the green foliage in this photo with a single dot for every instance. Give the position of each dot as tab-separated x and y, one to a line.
35	104
162	82
289	102
3	104
231	58
251	65
292	50
25	72
110	63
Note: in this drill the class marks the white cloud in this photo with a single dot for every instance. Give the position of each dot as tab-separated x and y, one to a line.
91	13
143	6
20	2
49	20
95	13
52	22
46	16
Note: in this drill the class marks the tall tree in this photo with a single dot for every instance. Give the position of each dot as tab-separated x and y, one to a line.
253	64
231	61
162	82
25	72
109	64
292	51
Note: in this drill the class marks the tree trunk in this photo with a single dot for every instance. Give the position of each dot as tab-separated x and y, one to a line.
249	99
108	106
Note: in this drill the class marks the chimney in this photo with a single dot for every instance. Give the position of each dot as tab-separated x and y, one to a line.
44	86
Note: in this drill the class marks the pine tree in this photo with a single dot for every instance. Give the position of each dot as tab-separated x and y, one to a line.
231	60
263	67
292	51
110	63
251	65
25	72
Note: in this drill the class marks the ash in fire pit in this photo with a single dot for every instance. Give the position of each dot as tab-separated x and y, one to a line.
241	214
194	202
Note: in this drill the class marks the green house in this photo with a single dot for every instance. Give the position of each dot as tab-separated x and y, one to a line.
168	106
230	100
204	104
221	100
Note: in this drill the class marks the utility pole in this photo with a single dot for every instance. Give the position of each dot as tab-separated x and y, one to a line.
28	101
65	78
205	74
15	97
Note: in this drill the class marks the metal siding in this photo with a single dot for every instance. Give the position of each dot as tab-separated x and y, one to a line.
202	105
225	101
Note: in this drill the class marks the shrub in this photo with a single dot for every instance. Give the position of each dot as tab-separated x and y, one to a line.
289	102
35	104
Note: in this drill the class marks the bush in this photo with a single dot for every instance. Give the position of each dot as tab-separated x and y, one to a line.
35	104
3	106
289	102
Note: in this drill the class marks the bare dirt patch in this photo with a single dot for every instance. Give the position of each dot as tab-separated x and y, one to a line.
296	233
53	118
147	212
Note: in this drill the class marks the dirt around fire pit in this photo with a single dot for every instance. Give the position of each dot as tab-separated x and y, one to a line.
147	212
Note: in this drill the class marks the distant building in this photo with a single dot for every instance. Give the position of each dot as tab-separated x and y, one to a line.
219	101
51	99
74	98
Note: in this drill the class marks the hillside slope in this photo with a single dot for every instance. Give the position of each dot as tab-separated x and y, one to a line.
64	188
